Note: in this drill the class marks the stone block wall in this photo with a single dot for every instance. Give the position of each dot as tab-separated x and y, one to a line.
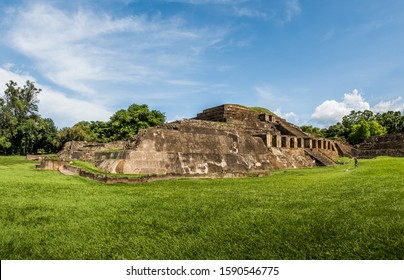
48	164
387	145
190	149
85	151
242	117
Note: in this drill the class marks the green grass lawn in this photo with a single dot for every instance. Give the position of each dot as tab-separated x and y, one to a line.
318	213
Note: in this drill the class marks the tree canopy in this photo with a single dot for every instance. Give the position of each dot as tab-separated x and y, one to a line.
24	131
359	125
121	126
126	123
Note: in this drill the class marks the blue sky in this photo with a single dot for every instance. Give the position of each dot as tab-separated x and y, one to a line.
310	61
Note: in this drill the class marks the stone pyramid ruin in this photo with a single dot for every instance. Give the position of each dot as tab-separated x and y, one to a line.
226	139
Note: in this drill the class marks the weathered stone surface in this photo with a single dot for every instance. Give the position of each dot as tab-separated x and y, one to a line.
189	149
49	164
387	145
82	150
35	157
239	116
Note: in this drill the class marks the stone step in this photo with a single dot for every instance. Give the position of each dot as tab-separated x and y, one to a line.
320	157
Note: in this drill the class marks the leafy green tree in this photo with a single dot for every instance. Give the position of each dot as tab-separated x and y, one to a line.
22	130
364	129
101	131
376	129
79	132
18	116
46	140
359	132
358	125
392	121
313	130
121	126
126	123
355	117
336	131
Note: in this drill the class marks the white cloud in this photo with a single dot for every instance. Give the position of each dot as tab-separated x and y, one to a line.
6	75
355	101
332	111
64	110
290	116
392	105
97	61
84	51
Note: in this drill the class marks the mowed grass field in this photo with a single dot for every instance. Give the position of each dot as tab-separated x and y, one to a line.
318	213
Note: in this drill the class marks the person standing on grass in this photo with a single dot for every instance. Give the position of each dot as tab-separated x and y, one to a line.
356	162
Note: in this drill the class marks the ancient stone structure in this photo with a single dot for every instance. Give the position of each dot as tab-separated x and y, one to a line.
49	164
85	151
220	140
387	145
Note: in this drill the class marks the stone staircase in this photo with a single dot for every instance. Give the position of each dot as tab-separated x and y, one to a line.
320	158
386	145
290	129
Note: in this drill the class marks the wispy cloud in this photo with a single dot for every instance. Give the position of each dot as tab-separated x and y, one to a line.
289	116
391	105
282	11
65	110
270	95
250	12
200	2
293	9
82	50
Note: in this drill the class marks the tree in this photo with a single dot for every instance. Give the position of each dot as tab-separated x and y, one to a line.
126	123
79	132
376	129
22	130
101	131
365	129
121	126
313	130
355	117
46	141
337	131
18	115
359	132
392	121
357	126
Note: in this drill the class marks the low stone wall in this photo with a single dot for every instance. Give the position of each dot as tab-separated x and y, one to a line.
35	157
85	151
49	164
105	178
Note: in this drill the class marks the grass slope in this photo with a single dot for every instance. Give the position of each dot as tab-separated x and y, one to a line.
319	213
